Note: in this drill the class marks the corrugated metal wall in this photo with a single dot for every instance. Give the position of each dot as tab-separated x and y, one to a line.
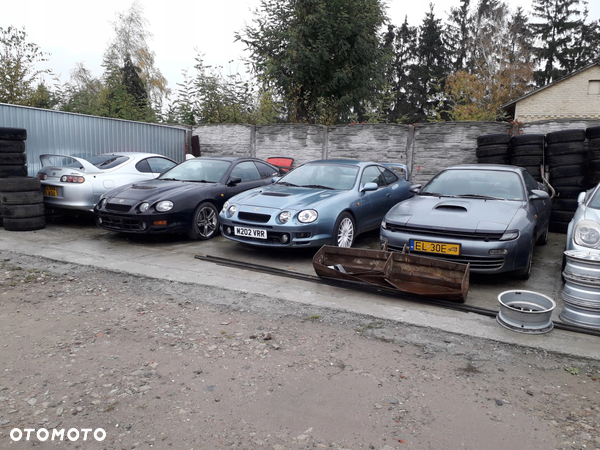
79	135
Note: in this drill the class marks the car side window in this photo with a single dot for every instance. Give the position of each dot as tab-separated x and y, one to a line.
143	166
247	171
530	182
372	174
160	165
265	170
390	177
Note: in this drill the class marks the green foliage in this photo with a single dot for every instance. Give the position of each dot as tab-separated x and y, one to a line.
19	78
322	57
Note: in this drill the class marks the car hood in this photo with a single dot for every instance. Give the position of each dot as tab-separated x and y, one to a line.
454	213
285	197
153	190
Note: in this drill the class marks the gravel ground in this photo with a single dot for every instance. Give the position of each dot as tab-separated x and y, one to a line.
170	365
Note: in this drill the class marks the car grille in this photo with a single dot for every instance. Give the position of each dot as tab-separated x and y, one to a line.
254	217
121	223
460	234
477	263
117	207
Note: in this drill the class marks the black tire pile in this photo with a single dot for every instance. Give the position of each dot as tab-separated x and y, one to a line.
493	149
527	150
566	154
21	200
593	136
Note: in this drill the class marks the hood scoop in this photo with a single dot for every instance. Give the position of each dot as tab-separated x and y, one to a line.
142	187
275	194
450	208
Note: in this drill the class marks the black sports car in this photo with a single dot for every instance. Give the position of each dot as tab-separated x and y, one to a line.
185	199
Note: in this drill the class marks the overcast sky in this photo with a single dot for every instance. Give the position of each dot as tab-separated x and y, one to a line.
74	31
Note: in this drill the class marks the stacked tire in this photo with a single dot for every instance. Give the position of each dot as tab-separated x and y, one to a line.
527	150
566	154
21	200
593	136
493	149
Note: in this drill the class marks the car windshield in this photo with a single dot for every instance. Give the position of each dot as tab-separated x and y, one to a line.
322	176
200	170
473	183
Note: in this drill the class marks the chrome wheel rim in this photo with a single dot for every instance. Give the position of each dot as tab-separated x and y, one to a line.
206	222
345	233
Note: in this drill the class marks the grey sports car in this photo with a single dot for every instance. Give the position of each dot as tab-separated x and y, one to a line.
75	183
490	216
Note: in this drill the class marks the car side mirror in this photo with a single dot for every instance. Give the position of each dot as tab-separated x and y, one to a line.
581	198
275	179
369	187
233	181
538	194
415	188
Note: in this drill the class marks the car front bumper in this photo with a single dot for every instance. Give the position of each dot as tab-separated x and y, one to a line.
484	257
141	223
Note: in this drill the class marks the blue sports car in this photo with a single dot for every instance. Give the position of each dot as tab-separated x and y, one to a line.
320	202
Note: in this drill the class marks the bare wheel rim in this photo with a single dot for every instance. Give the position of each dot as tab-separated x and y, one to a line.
345	233
206	222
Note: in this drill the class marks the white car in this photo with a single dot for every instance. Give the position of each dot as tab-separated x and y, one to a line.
75	183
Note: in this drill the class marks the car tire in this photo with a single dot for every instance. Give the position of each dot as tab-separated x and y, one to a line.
574	135
344	231
567	171
24	224
13	159
592	133
528	140
13	171
534	171
525	272
566	160
21	198
494	160
594	145
205	222
568	192
558	215
565	204
20	184
578	181
22	211
492	150
528	150
493	139
559	227
12	146
13	134
527	160
565	148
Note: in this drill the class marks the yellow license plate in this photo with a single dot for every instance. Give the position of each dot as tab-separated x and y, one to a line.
51	191
435	247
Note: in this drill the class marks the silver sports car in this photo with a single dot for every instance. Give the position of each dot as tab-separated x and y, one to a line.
490	216
583	232
69	182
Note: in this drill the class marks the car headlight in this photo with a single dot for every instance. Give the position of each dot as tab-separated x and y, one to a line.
231	210
308	216
164	206
144	207
384	224
285	216
225	206
101	203
510	235
587	234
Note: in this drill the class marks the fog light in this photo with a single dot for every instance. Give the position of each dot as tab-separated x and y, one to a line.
144	225
284	238
99	219
160	223
228	230
498	251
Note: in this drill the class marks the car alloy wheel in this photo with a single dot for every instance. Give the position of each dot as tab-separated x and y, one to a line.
205	222
344	231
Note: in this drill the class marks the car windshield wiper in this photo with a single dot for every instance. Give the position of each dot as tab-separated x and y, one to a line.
316	186
169	179
484	197
285	183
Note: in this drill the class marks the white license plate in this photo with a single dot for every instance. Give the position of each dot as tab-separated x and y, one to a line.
250	232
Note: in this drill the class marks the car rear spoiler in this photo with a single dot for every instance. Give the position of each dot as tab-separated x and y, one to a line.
86	166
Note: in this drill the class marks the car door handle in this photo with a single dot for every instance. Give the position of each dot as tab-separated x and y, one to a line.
388	195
